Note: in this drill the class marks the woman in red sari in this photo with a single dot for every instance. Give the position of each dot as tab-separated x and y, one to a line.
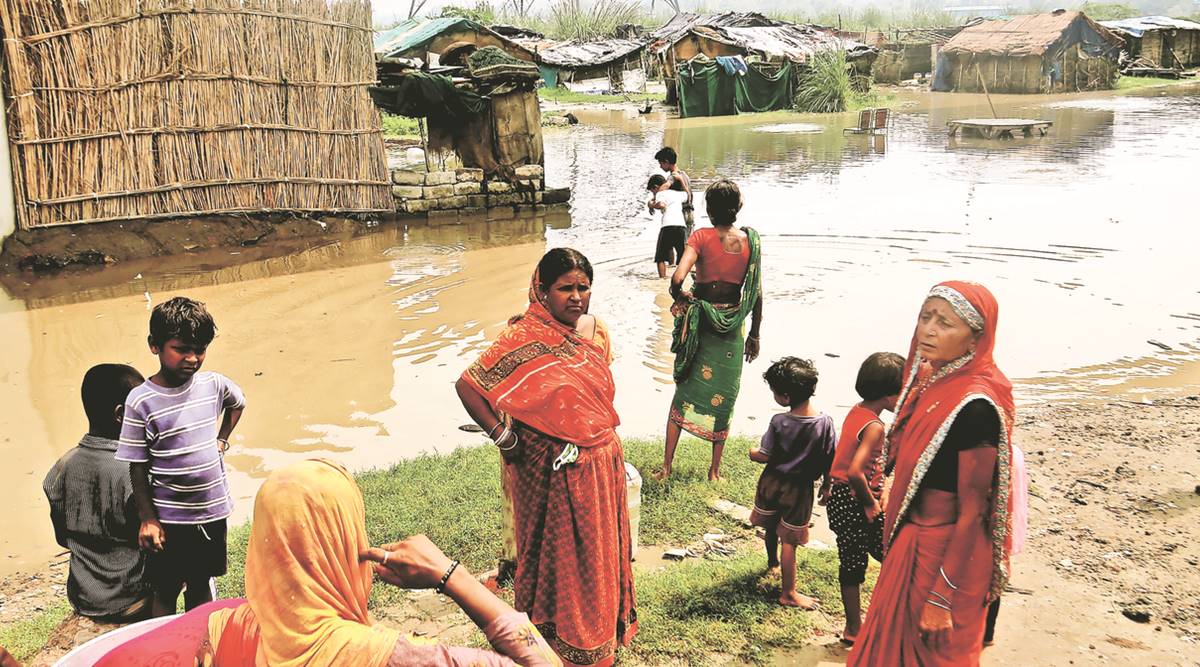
948	513
544	393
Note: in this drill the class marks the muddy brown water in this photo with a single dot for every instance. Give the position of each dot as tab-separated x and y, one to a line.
348	348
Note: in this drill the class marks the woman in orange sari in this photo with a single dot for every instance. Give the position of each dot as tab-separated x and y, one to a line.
948	513
544	393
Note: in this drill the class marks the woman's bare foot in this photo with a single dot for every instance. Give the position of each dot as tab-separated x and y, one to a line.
795	599
715	477
662	475
772	570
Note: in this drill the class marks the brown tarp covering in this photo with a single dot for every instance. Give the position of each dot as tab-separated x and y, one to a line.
1031	35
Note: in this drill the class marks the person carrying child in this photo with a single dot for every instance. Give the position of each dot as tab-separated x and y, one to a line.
798	449
92	507
855	513
677	181
174	434
672	232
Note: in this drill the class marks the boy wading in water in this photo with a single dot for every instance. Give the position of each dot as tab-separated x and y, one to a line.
672	233
855	513
174	436
797	448
678	181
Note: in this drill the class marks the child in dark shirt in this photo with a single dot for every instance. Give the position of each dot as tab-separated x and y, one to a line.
798	449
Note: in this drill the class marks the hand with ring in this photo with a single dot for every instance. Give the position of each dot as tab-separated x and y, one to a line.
413	563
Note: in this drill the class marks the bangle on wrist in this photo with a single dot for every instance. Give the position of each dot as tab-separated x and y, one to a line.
441	587
224	444
505	435
493	429
942	570
939	605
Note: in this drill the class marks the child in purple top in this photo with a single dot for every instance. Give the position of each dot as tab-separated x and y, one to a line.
174	433
798	449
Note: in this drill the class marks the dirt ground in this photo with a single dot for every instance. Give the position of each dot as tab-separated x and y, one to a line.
1109	575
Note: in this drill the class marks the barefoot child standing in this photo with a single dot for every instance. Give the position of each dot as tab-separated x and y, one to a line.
798	449
855	513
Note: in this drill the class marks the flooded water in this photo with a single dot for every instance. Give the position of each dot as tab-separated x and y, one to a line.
349	348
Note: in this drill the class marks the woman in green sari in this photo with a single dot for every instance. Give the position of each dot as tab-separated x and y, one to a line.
709	340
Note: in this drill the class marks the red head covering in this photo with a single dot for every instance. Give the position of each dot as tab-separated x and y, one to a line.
544	374
928	405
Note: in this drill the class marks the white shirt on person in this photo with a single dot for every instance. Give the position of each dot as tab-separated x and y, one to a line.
672	215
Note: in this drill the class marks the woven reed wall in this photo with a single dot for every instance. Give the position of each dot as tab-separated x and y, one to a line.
162	108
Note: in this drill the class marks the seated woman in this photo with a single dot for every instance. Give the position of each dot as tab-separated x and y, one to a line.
308	576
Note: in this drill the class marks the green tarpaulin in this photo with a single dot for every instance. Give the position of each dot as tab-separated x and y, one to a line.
706	89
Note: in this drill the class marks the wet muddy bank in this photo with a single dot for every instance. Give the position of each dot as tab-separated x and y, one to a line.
52	248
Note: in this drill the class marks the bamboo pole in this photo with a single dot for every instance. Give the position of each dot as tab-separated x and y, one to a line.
985	90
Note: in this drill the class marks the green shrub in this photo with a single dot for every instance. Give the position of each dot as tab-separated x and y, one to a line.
825	86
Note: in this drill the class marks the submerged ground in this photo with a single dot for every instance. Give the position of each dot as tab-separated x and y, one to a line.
349	349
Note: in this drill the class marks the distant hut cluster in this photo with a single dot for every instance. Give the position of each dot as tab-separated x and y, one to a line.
1158	43
909	53
1063	51
741	61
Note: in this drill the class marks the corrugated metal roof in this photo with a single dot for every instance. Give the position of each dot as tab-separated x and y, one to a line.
417	32
1033	34
589	54
1139	26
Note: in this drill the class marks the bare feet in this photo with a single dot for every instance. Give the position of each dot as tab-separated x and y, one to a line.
772	570
662	475
795	599
715	477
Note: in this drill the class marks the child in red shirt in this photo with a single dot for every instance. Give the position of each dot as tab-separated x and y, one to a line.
855	514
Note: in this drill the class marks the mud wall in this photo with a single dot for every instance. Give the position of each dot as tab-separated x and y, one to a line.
1075	71
901	62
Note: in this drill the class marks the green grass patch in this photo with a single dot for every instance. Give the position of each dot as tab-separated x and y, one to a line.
699	612
25	638
399	126
1136	82
564	96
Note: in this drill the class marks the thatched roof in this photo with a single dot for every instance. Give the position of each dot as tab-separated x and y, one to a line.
753	33
1144	24
1030	35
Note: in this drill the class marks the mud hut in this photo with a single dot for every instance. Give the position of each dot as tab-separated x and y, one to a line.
1063	51
420	37
609	65
1160	41
175	108
908	53
485	112
691	41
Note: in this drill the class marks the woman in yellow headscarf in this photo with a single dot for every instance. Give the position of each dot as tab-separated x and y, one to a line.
309	571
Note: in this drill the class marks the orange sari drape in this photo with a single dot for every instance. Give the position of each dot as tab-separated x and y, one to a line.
574	575
913	553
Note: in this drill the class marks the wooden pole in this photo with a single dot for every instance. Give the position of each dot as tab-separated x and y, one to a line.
985	90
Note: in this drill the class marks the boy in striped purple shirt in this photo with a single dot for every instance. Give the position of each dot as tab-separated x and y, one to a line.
174	434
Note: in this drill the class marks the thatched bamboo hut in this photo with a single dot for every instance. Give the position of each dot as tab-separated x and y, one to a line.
1160	41
1041	53
167	108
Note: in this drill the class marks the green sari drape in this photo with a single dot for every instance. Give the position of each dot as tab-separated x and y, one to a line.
709	343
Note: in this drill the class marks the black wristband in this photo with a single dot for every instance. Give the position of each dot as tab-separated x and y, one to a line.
441	587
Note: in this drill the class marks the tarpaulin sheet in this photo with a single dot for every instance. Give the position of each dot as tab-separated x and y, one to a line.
420	95
706	89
